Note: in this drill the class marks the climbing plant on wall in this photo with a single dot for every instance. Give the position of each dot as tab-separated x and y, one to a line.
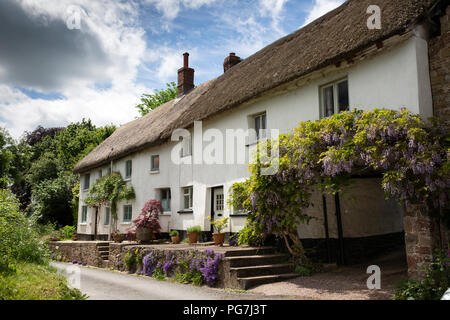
410	154
109	190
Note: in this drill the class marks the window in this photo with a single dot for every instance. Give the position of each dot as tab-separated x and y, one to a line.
109	170
187	197
334	98
83	214
87	178
186	150
155	163
107	215
260	126
165	199
100	174
128	169
127	213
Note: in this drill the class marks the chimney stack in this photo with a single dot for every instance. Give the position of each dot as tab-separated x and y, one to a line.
185	76
230	61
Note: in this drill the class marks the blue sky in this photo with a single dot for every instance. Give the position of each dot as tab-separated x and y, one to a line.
52	75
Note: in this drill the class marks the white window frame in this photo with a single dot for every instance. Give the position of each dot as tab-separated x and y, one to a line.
186	149
188	192
334	85
260	118
107	216
86	180
127	177
161	193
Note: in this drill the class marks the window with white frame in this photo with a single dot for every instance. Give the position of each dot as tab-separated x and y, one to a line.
187	197
260	126
165	198
186	149
107	216
84	214
334	98
127	213
128	169
87	180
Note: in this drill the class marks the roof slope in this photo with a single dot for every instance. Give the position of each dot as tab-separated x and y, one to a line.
330	38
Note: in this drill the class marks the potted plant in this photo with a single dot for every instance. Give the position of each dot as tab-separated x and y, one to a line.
174	236
117	236
147	223
74	237
193	233
219	225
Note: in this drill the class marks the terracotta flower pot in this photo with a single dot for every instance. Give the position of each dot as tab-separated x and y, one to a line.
175	239
193	237
144	234
219	238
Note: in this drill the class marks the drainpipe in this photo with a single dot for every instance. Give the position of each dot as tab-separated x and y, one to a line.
325	224
339	226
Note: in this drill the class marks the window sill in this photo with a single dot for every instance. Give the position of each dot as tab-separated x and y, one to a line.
166	213
254	143
154	171
83	223
185	211
239	215
125	223
127	179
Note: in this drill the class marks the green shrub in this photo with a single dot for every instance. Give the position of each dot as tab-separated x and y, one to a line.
303	271
67	232
173	233
130	261
19	240
436	282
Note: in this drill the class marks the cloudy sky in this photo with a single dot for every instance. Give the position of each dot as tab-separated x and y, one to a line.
64	60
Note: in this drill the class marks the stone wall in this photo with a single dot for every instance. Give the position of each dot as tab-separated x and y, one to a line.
424	233
81	251
439	53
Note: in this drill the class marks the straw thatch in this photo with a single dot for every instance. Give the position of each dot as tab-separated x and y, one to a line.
335	36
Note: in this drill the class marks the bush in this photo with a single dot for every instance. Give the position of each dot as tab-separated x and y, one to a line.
67	232
18	239
194	229
173	233
436	282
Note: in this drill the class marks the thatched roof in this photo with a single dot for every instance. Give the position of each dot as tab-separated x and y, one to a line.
327	40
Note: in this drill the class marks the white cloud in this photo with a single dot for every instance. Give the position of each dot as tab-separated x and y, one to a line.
320	8
171	8
273	8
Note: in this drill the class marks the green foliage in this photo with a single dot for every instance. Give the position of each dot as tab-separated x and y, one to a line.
44	168
173	233
158	274
436	282
18	239
152	101
303	271
52	199
109	189
130	261
67	232
6	157
194	229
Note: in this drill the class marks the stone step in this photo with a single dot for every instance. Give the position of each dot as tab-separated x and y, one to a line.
249	282
257	260
250	251
103	249
265	270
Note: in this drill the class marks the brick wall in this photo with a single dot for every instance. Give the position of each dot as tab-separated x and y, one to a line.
439	52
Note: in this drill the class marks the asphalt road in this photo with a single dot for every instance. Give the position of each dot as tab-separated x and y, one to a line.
101	284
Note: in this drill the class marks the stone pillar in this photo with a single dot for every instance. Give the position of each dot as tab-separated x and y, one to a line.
422	238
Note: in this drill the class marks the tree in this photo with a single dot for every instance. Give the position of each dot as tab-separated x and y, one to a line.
6	157
152	101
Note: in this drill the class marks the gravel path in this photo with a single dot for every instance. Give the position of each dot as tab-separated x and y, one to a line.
342	283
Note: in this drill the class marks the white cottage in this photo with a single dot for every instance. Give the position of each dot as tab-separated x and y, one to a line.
338	62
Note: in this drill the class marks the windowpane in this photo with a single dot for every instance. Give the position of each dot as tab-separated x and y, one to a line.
128	169
342	89
127	213
260	126
83	214
87	179
187	198
328	101
165	199
107	215
155	163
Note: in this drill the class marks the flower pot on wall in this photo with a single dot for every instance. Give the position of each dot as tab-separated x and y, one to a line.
193	237
219	238
144	234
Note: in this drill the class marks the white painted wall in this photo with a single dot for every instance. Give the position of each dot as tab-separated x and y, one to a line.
389	80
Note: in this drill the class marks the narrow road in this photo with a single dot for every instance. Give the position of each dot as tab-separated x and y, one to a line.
101	284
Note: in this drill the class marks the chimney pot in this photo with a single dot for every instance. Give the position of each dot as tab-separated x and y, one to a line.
185	76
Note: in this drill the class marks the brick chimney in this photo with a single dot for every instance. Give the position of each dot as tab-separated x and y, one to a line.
185	77
230	61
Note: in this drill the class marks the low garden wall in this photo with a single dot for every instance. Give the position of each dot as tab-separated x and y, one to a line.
83	252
